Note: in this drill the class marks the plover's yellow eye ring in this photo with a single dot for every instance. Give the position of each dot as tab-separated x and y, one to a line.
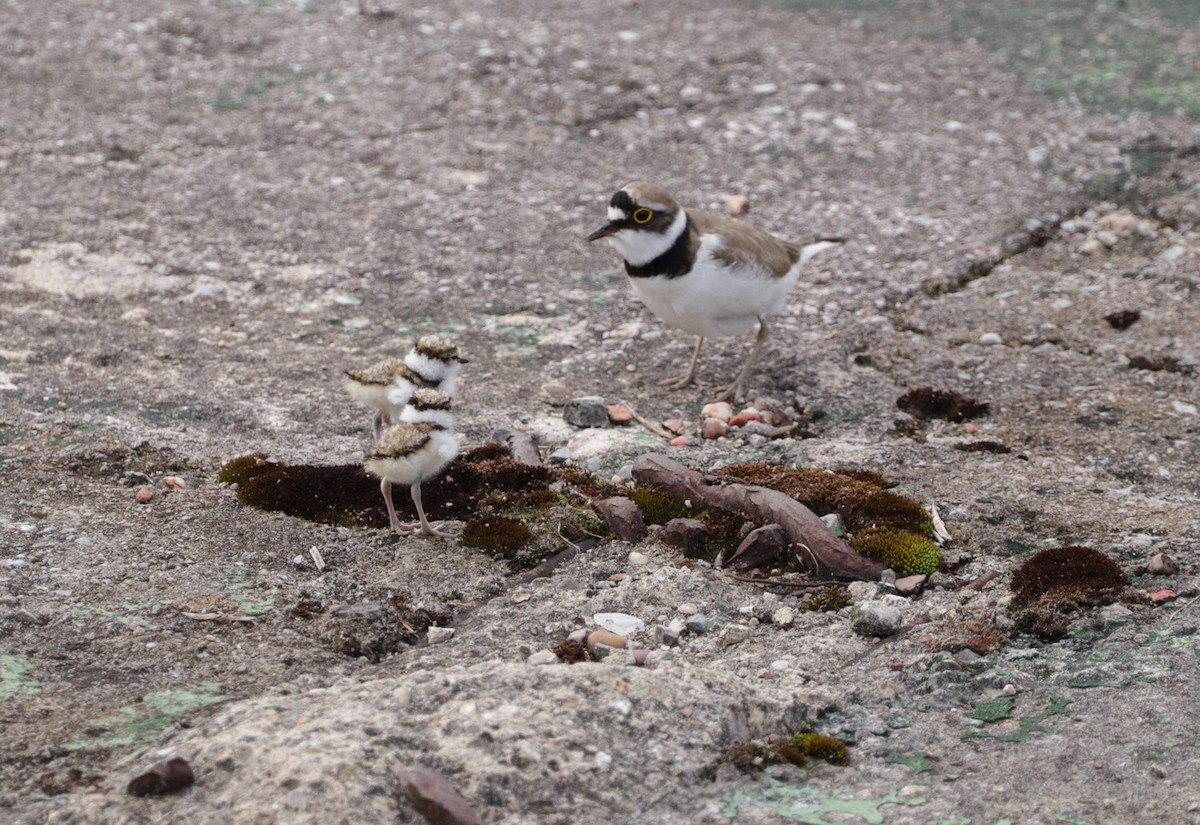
642	215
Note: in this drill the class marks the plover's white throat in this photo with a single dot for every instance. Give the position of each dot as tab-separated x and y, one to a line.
416	449
703	272
387	385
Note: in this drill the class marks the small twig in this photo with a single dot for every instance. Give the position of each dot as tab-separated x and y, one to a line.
647	423
558	529
924	618
223	618
780	581
1186	605
982	581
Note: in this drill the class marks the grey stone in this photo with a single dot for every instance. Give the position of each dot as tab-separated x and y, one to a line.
834	522
542	657
697	623
876	618
1115	614
586	411
862	591
602	651
436	635
560	456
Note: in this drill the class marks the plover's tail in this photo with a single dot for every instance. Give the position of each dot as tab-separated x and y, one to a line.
809	251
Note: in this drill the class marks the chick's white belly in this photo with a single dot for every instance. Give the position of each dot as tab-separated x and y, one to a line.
714	300
371	395
425	463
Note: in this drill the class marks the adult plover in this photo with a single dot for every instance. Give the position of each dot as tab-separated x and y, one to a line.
703	272
413	450
388	385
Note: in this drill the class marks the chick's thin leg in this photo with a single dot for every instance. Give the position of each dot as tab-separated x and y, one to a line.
401	529
425	527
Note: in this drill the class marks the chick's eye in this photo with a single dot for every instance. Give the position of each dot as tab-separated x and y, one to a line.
642	215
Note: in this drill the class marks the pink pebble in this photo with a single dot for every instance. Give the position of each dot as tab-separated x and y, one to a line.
1162	596
681	441
713	428
744	418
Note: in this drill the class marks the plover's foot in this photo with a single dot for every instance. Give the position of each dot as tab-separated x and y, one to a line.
729	392
428	530
679	382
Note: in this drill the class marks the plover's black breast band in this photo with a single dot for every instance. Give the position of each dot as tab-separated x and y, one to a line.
674	262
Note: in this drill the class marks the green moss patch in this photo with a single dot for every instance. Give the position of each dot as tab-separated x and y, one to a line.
15	681
907	553
151	715
1028	726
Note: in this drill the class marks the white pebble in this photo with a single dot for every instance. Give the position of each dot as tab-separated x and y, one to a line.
620	623
990	339
542	657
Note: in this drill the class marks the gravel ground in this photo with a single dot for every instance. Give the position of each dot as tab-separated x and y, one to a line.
211	210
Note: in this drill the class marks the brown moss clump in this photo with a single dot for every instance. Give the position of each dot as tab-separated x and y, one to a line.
486	452
1123	319
827	600
907	553
1082	575
977	635
484	483
984	446
867	477
468	481
1054	584
570	652
342	494
726	529
1160	363
590	485
861	504
500	535
926	402
754	756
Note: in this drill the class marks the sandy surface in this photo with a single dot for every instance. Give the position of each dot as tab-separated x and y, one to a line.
209	211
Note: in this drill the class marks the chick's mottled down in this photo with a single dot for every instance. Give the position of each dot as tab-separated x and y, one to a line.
415	449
